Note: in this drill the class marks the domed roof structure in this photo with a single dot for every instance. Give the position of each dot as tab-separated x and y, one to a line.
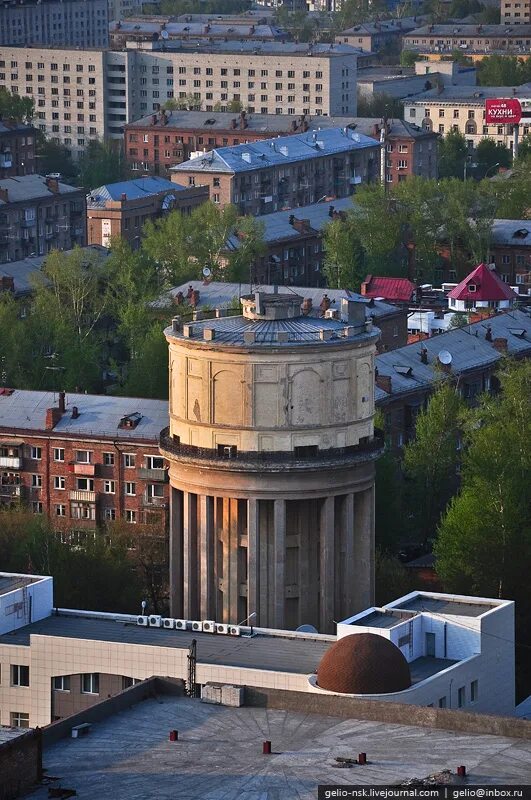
363	663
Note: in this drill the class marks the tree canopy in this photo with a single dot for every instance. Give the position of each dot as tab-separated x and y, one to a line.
17	107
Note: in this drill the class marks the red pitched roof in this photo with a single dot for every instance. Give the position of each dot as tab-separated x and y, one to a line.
398	290
488	286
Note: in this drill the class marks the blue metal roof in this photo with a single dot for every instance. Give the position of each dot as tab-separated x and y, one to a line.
280	151
134	190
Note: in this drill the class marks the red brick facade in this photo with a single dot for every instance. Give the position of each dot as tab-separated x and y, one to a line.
17	149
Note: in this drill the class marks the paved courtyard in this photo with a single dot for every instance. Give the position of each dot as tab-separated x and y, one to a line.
219	754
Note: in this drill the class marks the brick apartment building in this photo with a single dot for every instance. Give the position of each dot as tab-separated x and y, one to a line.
515	12
38	215
154	28
83	460
121	209
17	149
281	173
376	36
469	39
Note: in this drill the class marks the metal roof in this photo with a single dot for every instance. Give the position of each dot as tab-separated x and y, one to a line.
281	151
133	190
393	289
250	47
31	187
21	271
477	31
385	26
251	30
512	232
487	285
278	653
221	120
472	95
99	415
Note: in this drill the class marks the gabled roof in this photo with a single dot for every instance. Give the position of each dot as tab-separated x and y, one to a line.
487	285
396	290
133	190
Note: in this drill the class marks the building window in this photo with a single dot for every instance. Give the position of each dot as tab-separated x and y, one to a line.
37	507
129	460
109	487
127	682
109	514
19	719
108	459
36	453
85	484
461	697
474	691
130	516
60	511
154	462
90	683
61	683
19	675
36	481
58	454
130	488
59	482
442	702
83	456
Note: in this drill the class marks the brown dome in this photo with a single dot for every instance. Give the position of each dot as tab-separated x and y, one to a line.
363	663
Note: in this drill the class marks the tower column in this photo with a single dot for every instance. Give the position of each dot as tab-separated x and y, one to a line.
326	557
253	558
206	537
280	562
176	553
190	554
348	572
364	550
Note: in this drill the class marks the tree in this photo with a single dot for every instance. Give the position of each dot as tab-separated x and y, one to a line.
56	158
524	148
512	191
408	58
432	458
490	156
17	107
147	370
147	550
389	515
379	105
101	162
452	155
241	260
343	265
484	543
499	70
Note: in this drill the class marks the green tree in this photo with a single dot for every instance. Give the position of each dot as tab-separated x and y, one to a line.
242	259
379	105
147	370
452	155
17	107
389	516
408	58
499	70
524	148
432	458
343	265
490	156
101	163
512	191
55	158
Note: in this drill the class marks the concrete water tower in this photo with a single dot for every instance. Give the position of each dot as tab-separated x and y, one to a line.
271	449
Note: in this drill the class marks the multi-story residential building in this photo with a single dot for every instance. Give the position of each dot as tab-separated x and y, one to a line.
289	171
462	108
121	209
471	39
17	149
39	214
510	251
404	82
83	460
515	12
149	28
376	36
63	23
157	142
409	149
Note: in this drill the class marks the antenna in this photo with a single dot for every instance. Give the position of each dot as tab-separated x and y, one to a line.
445	357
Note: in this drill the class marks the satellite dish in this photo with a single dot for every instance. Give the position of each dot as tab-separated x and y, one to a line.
445	357
306	629
164	34
207	272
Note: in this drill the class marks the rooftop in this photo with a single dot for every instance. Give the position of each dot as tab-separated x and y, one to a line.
473	94
296	654
21	271
221	120
219	753
482	284
250	47
99	415
130	190
515	232
482	31
233	29
31	187
398	290
7	734
8	583
280	151
458	606
386	26
11	126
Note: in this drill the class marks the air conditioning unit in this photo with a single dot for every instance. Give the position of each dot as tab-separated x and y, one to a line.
235	630
168	622
180	624
331	313
220	628
142	621
197	626
155	621
209	626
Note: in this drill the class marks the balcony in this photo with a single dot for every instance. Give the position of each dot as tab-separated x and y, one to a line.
5	161
153	474
87	470
11	490
81	496
28	223
11	462
154	502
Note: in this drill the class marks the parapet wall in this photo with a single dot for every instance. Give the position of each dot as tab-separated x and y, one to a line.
20	764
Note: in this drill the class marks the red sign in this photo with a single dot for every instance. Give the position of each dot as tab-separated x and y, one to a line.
503	111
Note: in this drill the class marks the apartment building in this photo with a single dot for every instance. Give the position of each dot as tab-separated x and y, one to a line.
286	172
83	460
149	28
376	36
63	23
462	108
17	149
484	39
122	209
39	214
515	12
510	251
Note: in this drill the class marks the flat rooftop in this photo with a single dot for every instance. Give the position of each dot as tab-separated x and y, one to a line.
450	607
382	619
7	734
9	583
296	655
219	754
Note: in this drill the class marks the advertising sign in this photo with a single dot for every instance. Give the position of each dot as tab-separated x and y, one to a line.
503	112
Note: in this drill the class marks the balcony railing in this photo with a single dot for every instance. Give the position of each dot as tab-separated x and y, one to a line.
11	462
11	490
155	502
83	468
148	474
261	458
82	496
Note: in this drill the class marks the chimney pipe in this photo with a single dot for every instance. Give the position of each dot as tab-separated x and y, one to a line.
62	402
75	412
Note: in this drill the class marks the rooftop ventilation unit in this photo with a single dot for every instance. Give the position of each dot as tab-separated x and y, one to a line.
155	621
331	313
168	622
197	626
235	630
209	626
220	628
142	621
181	624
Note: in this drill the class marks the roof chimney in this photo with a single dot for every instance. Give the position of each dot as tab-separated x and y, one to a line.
53	415
424	355
500	344
4	195
53	185
123	197
62	402
75	412
488	335
384	382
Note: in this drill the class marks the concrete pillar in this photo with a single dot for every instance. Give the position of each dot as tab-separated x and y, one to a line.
176	553
349	563
225	538
280	562
234	576
190	555
206	549
253	559
364	550
326	557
